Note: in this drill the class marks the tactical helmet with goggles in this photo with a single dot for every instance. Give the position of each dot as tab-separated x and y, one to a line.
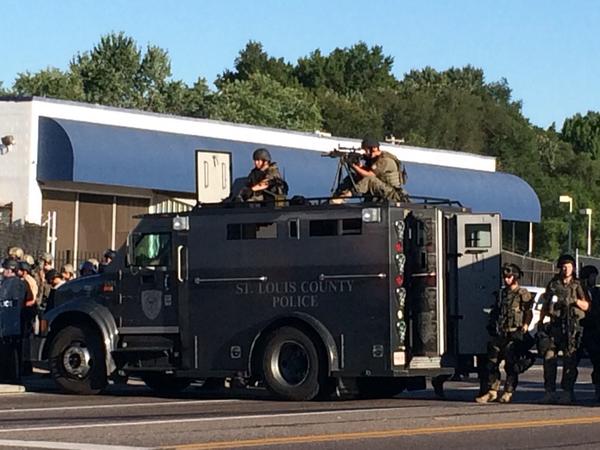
512	270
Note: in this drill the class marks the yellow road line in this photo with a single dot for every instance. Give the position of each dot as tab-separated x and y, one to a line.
388	433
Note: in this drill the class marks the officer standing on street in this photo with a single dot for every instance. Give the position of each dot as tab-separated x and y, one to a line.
509	324
591	324
381	177
12	299
565	302
264	181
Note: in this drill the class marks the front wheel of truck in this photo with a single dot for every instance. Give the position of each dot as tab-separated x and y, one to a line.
77	361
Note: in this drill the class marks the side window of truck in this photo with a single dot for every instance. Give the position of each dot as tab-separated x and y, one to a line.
153	249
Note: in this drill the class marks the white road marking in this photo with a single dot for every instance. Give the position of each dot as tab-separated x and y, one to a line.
202	419
65	445
117	405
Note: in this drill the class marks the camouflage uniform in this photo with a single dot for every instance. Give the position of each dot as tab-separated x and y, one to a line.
277	186
509	314
387	182
563	333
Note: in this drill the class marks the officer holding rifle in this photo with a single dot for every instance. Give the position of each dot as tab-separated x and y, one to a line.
381	176
565	303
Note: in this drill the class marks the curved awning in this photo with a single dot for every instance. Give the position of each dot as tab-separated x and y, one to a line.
86	152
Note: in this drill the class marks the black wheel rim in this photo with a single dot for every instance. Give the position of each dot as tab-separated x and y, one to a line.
291	363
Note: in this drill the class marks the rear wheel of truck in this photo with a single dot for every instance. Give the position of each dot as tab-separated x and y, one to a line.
165	384
291	365
77	361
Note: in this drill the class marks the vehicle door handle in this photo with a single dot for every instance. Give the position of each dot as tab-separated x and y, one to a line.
179	271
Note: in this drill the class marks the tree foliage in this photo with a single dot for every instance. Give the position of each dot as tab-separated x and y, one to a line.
583	133
260	100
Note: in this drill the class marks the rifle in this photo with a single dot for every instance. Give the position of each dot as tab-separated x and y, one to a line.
346	155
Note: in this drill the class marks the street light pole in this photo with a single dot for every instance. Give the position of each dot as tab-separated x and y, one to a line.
568	199
588	212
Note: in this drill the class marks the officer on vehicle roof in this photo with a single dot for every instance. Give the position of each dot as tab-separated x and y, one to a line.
508	327
564	302
591	324
381	176
264	181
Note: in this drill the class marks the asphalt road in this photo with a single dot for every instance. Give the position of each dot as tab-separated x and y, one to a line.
131	416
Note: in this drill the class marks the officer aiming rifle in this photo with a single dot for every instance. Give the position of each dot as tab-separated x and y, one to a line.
381	177
347	158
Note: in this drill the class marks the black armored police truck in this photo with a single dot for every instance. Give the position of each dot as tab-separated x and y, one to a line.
306	299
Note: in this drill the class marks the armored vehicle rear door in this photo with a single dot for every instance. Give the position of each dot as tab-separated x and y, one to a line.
425	305
477	268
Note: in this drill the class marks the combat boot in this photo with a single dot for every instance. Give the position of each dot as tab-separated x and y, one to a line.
566	397
488	397
506	397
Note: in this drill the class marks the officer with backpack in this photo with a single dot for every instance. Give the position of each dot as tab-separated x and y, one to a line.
381	177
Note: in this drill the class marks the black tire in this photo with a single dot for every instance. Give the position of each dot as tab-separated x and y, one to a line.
165	384
291	365
380	387
77	361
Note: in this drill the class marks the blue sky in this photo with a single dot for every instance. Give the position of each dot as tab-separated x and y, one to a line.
547	50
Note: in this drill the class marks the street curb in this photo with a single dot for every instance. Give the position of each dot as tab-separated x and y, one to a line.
11	389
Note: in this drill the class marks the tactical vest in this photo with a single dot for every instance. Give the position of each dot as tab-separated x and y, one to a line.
511	309
399	178
566	295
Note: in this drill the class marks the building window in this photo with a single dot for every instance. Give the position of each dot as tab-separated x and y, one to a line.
243	231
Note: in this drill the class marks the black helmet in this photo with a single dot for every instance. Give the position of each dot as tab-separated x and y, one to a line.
10	264
109	253
261	154
563	259
512	269
25	266
52	274
588	271
369	142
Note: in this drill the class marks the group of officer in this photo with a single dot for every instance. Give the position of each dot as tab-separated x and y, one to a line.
26	286
380	176
572	307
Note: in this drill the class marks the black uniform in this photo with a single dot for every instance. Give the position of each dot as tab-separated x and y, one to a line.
591	334
12	300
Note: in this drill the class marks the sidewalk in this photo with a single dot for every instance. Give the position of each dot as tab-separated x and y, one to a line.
11	389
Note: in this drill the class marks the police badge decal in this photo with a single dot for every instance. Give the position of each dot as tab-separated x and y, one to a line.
151	303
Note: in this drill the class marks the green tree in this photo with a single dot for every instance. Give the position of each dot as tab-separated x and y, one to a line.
260	100
50	82
252	60
583	132
348	70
